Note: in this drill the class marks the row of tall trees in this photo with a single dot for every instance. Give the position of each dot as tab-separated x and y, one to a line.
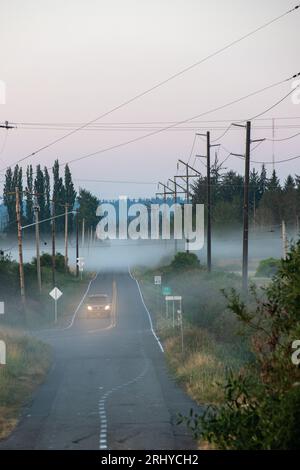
35	189
270	201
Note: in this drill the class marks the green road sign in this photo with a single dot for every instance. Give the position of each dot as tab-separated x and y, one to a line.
166	290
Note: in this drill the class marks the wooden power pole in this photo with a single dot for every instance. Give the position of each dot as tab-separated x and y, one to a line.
208	203
246	207
37	244
77	243
20	247
83	233
208	194
246	201
53	233
284	240
66	237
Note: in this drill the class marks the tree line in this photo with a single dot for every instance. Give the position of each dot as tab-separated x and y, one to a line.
49	194
270	202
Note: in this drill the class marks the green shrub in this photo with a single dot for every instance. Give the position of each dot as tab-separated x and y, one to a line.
268	267
185	261
46	261
262	401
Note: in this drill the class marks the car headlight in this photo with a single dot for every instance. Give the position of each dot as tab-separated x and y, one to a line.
107	307
90	307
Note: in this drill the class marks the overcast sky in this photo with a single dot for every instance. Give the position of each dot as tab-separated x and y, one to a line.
70	61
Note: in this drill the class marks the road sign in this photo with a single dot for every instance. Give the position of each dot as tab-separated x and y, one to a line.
55	293
173	297
80	263
166	290
157	280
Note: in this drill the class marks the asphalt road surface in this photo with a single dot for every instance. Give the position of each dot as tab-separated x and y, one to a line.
109	387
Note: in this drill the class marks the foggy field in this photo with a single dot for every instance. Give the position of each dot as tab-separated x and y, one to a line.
119	254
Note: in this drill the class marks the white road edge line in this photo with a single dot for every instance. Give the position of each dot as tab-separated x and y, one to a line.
80	303
149	316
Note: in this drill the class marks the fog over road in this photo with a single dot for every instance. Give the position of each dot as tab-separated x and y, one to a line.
109	386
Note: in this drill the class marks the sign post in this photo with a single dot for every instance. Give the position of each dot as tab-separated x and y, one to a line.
55	294
166	291
80	264
2	343
173	299
157	282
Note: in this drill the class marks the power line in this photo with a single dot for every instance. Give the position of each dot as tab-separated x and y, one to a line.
114	181
258	115
129	123
286	138
161	83
218	108
277	161
277	103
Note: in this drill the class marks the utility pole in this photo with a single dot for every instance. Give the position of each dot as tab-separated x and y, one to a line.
37	244
246	207
254	212
175	202
166	189
246	200
187	178
53	230
273	144
208	204
284	240
91	236
83	233
176	192
187	201
20	247
77	242
208	195
66	236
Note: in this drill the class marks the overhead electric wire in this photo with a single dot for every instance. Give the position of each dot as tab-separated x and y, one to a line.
258	115
276	104
163	82
192	149
282	140
218	108
222	135
129	123
114	181
277	161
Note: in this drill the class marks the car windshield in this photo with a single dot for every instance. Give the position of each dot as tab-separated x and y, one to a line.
98	299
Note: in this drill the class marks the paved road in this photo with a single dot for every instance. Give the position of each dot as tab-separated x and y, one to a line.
109	387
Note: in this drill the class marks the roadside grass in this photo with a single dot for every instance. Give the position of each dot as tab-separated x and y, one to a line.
28	361
201	368
211	342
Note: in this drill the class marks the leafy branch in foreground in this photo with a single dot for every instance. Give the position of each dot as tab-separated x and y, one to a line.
262	401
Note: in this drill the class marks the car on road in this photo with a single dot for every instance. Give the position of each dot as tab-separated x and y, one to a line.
98	306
